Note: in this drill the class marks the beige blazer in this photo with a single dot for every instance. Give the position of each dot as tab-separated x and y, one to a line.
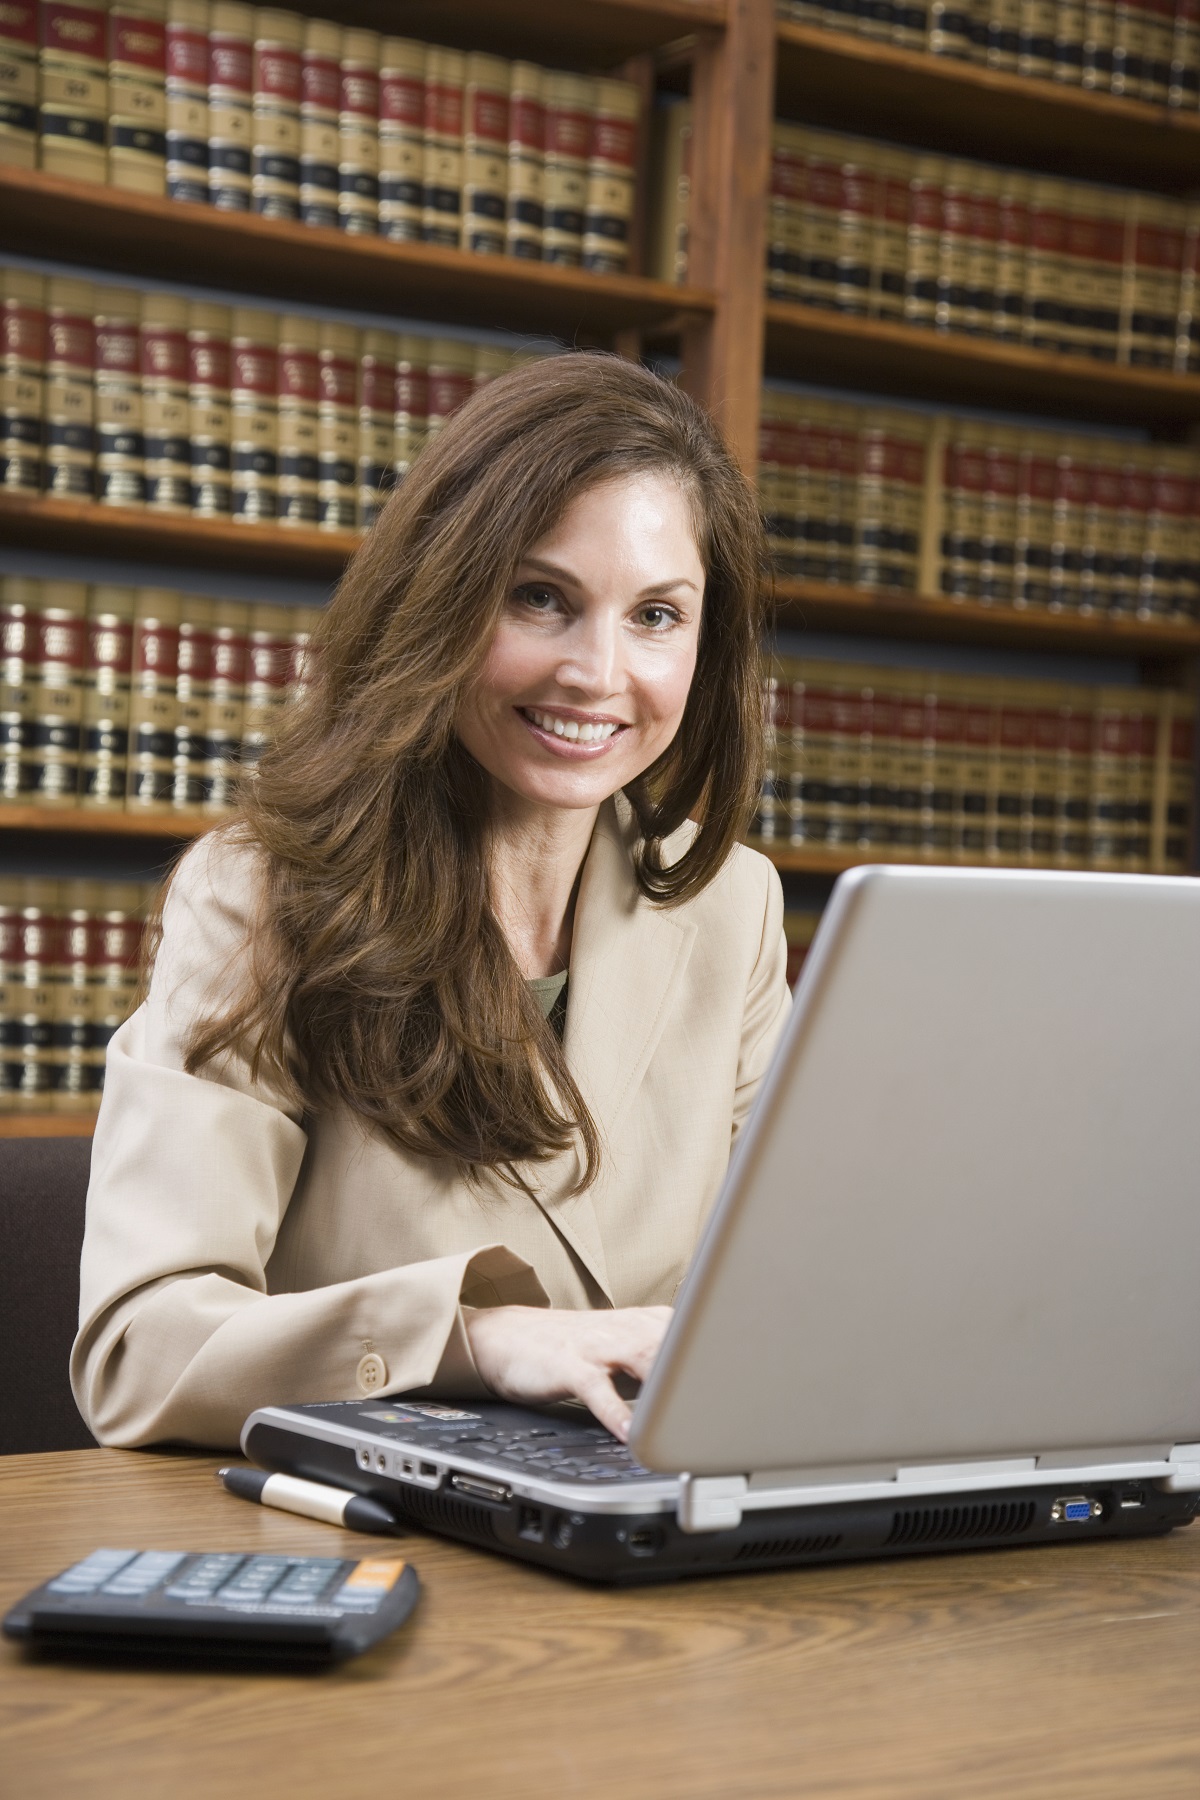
238	1255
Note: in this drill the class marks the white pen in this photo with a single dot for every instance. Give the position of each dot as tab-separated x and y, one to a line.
311	1499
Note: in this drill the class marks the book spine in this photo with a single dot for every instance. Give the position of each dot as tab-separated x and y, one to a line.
28	1051
120	446
20	603
254	416
910	24
1100	537
73	70
1183	85
137	98
1108	792
1012	252
337	456
442	166
71	1086
1131	531
275	151
267	666
1129	48
193	685
1142	737
782	177
358	134
153	705
209	422
376	422
570	103
1071	495
1044	277
983	202
857	209
70	391
185	50
1039	24
1159	52
485	153
411	416
104	729
165	403
56	693
924	240
226	706
22	379
1004	35
817	238
1070	33
998	526
771	496
1164	588
949	28
612	178
320	99
1160	243
118	925
955	248
668	126
231	129
401	139
811	710
1179	826
451	380
299	378
19	84
845	760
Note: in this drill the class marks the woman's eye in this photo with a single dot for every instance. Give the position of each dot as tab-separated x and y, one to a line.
541	599
658	617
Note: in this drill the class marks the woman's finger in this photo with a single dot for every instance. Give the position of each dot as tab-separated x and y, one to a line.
604	1403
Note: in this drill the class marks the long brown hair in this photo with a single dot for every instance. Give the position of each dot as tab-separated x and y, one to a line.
378	976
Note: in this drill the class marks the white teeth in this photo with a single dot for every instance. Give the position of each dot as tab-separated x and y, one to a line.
571	729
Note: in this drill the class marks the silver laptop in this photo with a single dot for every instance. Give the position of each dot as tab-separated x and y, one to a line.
949	1296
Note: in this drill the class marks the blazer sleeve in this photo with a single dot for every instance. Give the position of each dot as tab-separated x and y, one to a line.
179	1338
768	997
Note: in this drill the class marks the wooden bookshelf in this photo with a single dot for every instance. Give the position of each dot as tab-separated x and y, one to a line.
599	33
69	820
141	234
38	1125
811	343
941	103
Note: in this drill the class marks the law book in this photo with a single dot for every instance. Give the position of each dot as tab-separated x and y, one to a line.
19	84
485	153
858	209
1159	52
153	705
1132	518
1098	27
924	240
1045	281
411	401
1037	476
104	724
120	447
73	88
1158	241
785	191
1166	582
1096	237
231	127
71	1084
1070	37
69	393
137	98
56	693
1109	786
1101	532
22	379
275	123
29	932
1143	732
442	164
337	427
773	497
1183	84
267	670
948	28
118	923
1000	453
1038	28
609	212
401	138
320	101
301	662
166	403
961	472
1003	35
254	415
1130	39
1014	223
193	684
1187	331
955	247
186	100
451	380
209	414
1176	831
570	102
670	141
820	218
20	604
299	396
358	133
979	309
226	706
765	823
1072	475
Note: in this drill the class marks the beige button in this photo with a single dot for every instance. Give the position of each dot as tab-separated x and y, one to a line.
371	1373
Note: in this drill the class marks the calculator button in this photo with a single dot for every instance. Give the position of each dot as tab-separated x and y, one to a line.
368	1584
255	1581
307	1580
204	1577
86	1576
143	1573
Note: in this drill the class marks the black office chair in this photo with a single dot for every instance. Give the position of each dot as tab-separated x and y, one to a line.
43	1185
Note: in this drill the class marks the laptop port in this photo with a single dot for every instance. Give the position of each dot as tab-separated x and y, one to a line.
531	1524
1075	1509
478	1488
1131	1498
646	1542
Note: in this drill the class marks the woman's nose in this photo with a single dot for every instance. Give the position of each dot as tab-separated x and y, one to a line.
592	656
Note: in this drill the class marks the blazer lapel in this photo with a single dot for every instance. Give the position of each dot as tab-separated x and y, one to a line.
625	957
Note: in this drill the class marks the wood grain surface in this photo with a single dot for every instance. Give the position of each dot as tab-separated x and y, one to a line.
1071	1673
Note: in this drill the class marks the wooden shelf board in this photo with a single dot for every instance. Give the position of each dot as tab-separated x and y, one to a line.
813	344
25	1125
68	820
104	227
80	527
942	103
819	606
598	34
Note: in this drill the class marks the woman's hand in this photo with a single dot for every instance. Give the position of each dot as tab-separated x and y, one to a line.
533	1354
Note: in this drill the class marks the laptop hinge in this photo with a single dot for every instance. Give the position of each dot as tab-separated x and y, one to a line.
1185	1470
711	1502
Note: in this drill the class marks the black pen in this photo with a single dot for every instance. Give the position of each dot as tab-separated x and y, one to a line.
311	1499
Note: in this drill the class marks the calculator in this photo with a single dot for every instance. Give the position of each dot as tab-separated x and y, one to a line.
217	1606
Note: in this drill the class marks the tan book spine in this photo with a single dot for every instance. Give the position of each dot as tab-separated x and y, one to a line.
19	84
485	153
670	129
22	379
955	248
231	124
1132	521
998	525
901	451
526	172
1101	533
1129	48
73	86
165	403
764	828
949	733
1072	476
1011	761
1143	747
925	194
1183	82
816	226
570	103
358	133
28	1055
1037	474
1098	28
1039	23
153	705
209	420
793	487
1160	240
1108	792
982	295
1070	33
1179	829
299	378
119	924
320	100
412	401
889	247
275	151
20	605
972	819
811	712
786	190
137	97
70	389
451	380
442	170
845	759
376	422
120	444
193	687
1041	841
1004	35
337	425
254	415
56	693
960	571
401	138
267	667
612	178
845	424
1162	582
1045	281
858	180
932	567
770	475
186	100
226	706
1014	222
72	1085
104	748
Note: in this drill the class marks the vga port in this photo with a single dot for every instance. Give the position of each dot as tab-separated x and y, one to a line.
1075	1509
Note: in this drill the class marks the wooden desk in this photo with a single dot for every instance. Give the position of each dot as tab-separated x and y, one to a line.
1066	1673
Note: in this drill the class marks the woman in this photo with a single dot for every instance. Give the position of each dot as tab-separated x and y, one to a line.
447	1037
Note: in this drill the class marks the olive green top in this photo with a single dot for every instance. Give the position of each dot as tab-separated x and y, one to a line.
550	992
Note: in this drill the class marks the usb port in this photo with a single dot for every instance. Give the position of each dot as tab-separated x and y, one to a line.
1132	1498
480	1489
531	1524
1075	1509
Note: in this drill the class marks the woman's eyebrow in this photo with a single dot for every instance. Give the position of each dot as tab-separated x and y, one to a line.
565	575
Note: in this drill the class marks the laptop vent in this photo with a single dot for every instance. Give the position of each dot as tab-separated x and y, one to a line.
445	1512
947	1524
779	1549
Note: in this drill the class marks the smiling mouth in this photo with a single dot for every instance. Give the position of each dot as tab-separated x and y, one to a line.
573	731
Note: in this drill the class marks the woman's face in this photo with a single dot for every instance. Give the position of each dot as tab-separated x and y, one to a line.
588	673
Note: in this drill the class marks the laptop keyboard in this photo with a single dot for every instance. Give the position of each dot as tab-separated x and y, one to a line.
563	1448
